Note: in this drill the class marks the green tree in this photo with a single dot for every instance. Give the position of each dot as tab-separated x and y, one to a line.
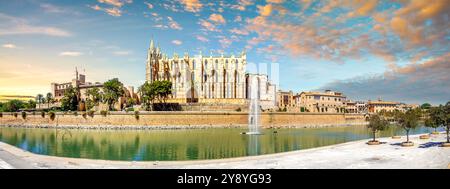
13	106
31	104
131	101
49	99
113	89
408	120
70	99
39	99
163	90
425	106
377	123
148	94
94	98
157	90
447	120
436	117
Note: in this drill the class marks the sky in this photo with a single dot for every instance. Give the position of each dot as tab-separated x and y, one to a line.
394	50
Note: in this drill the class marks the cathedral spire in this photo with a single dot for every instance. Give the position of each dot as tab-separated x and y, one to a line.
152	46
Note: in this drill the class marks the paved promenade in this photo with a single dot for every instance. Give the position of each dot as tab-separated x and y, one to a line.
426	154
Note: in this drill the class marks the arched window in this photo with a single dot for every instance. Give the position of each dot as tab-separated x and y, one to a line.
217	65
193	64
206	64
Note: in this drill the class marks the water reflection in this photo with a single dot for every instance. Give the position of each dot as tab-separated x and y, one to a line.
179	144
253	145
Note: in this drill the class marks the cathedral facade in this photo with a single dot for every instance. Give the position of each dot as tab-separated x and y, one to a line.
200	79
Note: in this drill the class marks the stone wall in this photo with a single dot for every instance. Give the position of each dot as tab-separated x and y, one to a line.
209	119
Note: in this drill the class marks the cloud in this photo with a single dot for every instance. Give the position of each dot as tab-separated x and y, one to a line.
238	19
265	10
70	53
9	46
18	26
208	26
202	38
122	53
275	1
217	18
192	5
51	8
173	24
392	33
177	42
242	4
116	3
225	42
239	31
415	83
149	5
115	10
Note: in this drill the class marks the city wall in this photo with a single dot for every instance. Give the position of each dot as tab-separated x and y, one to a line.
184	119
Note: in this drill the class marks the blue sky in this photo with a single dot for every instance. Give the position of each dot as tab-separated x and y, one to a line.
318	44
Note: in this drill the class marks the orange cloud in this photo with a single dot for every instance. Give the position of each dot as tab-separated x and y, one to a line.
113	11
192	5
208	25
217	18
242	4
265	10
275	1
116	3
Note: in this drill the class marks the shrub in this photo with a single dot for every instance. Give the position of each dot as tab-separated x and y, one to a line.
84	114
129	110
1	114
104	113
33	113
43	114
238	109
75	113
91	113
136	115
15	114
52	115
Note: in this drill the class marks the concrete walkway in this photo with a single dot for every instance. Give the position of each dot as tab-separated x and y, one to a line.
426	154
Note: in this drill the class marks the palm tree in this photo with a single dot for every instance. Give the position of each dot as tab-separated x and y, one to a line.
39	99
377	123
49	98
94	97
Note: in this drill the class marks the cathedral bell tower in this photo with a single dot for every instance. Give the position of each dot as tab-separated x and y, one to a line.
152	64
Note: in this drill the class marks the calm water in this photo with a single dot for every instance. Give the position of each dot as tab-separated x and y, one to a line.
179	144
